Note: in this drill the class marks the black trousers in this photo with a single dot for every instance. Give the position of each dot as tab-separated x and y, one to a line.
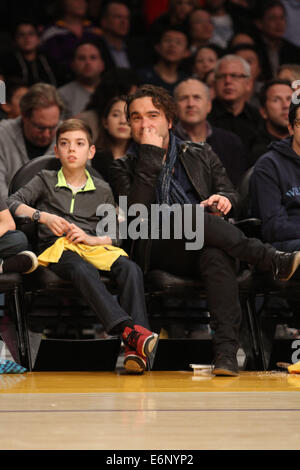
12	242
87	280
216	264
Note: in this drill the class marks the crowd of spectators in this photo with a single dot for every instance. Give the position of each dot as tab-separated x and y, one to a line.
93	51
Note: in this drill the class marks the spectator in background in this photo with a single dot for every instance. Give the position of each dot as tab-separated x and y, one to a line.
116	134
15	89
87	66
114	82
201	29
177	15
60	39
251	55
292	10
275	99
172	49
193	104
271	24
240	38
118	50
31	134
222	21
25	60
205	60
230	109
290	72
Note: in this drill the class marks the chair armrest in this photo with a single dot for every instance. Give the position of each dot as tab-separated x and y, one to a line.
21	220
251	226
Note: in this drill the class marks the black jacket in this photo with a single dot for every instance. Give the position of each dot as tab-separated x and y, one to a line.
229	148
245	125
135	174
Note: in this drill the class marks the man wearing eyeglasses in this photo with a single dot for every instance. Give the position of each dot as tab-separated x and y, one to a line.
230	108
31	134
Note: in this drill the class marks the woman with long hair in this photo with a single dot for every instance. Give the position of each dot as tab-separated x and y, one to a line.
114	136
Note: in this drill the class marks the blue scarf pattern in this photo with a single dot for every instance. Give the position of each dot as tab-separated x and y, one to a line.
168	189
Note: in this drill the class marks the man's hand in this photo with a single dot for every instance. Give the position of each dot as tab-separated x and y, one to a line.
57	225
151	137
217	202
77	235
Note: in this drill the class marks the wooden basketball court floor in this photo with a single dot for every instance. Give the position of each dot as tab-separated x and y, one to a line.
158	410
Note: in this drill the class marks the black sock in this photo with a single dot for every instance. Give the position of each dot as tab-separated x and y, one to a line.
120	327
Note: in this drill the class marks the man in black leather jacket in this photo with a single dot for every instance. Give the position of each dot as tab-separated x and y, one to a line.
160	168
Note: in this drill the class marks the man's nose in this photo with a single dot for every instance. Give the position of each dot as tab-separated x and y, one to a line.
145	122
190	101
47	132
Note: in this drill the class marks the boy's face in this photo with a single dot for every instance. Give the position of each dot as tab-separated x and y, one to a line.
73	149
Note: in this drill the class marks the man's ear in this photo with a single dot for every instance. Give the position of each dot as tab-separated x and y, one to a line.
249	84
170	124
157	48
263	112
291	130
258	24
187	53
6	107
209	106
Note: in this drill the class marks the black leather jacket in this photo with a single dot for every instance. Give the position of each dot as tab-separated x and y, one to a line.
135	174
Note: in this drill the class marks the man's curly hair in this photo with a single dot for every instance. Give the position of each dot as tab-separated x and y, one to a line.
161	99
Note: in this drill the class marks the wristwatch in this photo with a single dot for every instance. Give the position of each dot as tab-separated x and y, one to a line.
36	216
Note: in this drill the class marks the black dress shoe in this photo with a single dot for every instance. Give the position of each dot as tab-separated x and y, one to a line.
226	364
285	264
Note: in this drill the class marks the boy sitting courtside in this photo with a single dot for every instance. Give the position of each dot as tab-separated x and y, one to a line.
64	205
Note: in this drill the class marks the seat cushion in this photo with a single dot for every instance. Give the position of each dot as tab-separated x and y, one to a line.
161	281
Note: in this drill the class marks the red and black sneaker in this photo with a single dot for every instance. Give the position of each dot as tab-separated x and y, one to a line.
139	339
133	362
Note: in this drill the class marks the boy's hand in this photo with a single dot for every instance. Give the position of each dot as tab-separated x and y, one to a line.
77	235
57	225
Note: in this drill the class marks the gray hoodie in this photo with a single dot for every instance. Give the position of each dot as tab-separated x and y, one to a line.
13	153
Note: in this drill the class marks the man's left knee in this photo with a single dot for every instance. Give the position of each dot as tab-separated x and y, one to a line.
127	266
16	240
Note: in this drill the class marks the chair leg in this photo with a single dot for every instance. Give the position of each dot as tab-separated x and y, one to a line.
255	333
22	331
